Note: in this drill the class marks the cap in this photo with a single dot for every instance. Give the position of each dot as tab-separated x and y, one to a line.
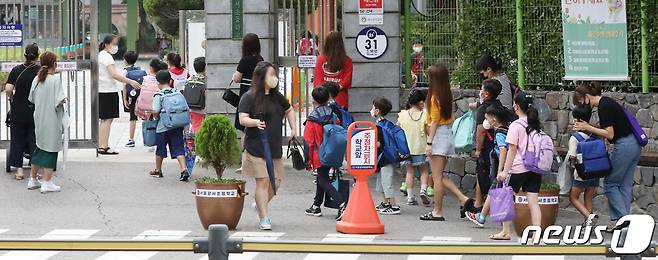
32	50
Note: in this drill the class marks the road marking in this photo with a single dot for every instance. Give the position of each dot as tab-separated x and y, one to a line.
339	238
65	234
447	240
537	257
246	236
3	230
146	235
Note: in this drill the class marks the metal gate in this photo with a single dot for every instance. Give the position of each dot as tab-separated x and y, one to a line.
301	28
64	27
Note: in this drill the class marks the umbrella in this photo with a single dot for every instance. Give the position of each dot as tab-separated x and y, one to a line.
65	124
267	155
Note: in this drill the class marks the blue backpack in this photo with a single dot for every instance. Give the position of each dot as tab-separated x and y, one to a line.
395	147
346	118
174	113
595	163
333	146
136	74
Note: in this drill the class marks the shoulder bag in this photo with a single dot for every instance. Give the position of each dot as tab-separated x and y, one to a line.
230	97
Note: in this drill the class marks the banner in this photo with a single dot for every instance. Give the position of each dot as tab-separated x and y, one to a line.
595	45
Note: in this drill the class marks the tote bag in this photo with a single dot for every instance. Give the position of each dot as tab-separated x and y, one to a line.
502	203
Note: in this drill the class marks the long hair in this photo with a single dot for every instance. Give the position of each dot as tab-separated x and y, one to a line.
107	40
250	45
525	103
439	89
47	62
175	60
592	88
258	86
334	50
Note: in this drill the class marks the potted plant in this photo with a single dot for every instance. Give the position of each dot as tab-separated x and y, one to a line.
548	204
218	200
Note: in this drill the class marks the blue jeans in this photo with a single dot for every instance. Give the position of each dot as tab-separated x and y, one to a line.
619	183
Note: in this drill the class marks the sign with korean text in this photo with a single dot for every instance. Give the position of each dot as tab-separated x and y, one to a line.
11	34
371	43
371	12
61	66
595	40
363	154
237	19
306	61
216	193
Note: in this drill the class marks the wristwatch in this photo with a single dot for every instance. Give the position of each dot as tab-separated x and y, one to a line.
429	143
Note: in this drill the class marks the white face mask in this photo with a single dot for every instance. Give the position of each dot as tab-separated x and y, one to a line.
486	124
481	97
418	49
272	81
372	113
114	49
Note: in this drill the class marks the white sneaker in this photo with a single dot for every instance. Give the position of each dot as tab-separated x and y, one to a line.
266	224
591	220
33	184
49	187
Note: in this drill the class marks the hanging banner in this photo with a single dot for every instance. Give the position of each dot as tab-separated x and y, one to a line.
595	40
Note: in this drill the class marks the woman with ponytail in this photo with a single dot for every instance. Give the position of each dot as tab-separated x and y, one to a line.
20	119
615	127
520	178
108	96
48	97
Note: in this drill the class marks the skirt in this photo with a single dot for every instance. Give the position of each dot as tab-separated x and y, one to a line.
443	143
108	105
256	167
44	159
415	160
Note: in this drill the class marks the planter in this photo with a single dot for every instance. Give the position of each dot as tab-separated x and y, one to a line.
219	203
548	203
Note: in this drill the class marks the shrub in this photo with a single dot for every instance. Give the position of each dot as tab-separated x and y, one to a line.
217	144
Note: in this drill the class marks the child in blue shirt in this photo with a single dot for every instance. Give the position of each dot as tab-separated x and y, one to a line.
164	136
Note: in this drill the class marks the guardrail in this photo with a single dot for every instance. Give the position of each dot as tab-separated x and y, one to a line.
219	245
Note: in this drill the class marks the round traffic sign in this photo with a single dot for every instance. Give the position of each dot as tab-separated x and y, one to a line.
371	42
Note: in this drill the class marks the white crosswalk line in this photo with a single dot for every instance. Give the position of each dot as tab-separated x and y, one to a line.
148	235
246	236
3	230
537	257
339	238
447	240
67	234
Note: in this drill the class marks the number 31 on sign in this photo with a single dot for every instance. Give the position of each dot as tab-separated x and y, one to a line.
371	42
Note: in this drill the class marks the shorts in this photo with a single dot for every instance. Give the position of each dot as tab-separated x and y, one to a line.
443	143
44	159
132	102
527	181
384	181
584	184
108	105
173	138
256	167
415	160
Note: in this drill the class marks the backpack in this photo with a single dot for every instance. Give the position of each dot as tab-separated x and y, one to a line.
179	79
195	93
638	132
346	119
145	99
538	155
174	113
595	161
395	148
463	130
333	146
136	74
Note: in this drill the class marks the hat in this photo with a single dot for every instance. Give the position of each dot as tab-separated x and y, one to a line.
32	50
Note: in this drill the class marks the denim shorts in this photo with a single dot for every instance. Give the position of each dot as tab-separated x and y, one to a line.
584	184
415	160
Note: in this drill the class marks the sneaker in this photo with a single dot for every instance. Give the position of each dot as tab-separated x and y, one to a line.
475	218
131	143
156	174
341	212
151	149
49	187
33	184
412	201
314	173
238	170
313	211
424	198
467	207
381	206
591	220
403	188
184	176
430	191
266	224
390	210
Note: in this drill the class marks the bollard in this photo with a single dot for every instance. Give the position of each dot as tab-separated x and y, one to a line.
217	238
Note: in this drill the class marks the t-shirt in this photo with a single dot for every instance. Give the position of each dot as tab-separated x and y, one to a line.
22	110
479	119
500	141
246	67
612	114
435	114
343	77
106	84
274	107
48	113
573	150
505	97
413	124
518	136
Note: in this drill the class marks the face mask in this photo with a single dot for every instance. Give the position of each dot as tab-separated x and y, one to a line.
481	96
272	81
418	49
486	124
114	49
372	113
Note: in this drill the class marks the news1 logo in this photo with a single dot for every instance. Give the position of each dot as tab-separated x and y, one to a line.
637	239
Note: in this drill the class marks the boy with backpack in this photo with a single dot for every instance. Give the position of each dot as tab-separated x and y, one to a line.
582	113
386	148
170	107
321	116
195	93
131	94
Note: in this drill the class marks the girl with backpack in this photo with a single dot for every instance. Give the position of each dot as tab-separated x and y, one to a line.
178	72
615	126
520	178
412	121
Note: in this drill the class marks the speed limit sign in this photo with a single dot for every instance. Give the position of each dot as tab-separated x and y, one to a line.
371	42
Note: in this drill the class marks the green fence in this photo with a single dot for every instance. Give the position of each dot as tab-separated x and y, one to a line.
456	32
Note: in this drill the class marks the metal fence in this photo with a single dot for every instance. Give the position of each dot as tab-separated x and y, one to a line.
456	32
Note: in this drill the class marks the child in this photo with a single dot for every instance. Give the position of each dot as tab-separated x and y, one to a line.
380	108
130	94
320	116
582	113
198	80
412	121
498	119
333	88
178	72
171	137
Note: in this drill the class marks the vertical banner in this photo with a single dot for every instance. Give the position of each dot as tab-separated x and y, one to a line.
595	40
237	19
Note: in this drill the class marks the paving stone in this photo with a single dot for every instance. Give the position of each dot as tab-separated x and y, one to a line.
456	94
654	112
454	178
551	129
647	176
553	100
643	196
457	166
645	100
468	182
562	121
653	211
632	108
637	176
566	100
631	98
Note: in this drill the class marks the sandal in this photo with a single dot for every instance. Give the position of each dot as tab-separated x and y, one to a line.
499	237
430	217
105	151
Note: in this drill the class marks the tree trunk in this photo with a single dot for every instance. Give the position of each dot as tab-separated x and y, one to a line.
219	171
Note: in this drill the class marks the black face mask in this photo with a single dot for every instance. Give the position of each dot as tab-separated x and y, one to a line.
482	77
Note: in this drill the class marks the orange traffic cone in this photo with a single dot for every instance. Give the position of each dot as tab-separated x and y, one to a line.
360	217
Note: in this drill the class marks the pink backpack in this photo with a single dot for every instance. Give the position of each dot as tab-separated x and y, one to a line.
145	100
538	155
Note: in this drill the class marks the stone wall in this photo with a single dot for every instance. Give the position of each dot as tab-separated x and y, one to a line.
559	126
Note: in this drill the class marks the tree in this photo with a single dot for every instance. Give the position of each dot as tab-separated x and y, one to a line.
164	13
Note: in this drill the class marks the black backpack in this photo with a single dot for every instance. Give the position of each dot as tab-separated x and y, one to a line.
195	93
